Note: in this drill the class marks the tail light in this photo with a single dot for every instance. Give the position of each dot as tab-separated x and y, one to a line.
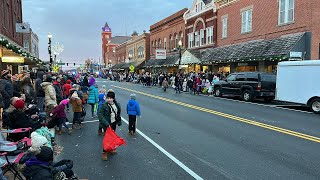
259	87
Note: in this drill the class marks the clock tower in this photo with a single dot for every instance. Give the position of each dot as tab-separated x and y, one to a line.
106	40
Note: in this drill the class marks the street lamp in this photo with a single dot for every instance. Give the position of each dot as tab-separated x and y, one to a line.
180	47
49	49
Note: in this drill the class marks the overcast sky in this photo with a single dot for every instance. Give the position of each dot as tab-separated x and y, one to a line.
77	23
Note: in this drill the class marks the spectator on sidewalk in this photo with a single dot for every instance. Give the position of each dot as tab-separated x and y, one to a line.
39	90
58	88
28	91
93	95
133	110
50	96
77	109
60	113
67	87
6	88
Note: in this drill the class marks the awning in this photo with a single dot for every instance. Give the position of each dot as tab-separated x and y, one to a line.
154	63
118	66
172	60
258	49
191	57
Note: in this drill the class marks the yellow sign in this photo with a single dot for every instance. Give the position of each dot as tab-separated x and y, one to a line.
55	68
13	59
131	68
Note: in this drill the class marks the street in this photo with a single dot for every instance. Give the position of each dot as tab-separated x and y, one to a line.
183	136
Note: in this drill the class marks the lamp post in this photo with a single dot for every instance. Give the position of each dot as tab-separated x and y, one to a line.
180	47
49	49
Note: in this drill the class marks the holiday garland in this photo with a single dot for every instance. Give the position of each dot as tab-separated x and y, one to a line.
5	43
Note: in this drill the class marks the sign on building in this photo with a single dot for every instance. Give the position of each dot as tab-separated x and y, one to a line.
12	59
22	28
161	54
295	54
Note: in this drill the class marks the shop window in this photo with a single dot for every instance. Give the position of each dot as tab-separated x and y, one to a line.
286	11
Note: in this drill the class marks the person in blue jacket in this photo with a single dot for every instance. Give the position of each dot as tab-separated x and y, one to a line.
93	96
133	110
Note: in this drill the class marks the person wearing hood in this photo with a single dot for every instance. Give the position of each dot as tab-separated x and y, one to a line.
133	110
60	113
103	90
41	167
109	116
6	88
93	95
58	89
50	99
85	81
28	91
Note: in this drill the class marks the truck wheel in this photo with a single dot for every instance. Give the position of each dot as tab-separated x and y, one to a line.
247	95
315	105
217	92
268	99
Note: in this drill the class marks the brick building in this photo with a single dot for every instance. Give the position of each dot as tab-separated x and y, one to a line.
31	43
121	53
254	35
201	26
109	44
166	35
10	14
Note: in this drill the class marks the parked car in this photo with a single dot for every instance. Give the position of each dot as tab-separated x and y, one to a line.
248	85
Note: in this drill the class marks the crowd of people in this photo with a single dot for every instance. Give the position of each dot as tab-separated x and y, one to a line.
196	83
40	101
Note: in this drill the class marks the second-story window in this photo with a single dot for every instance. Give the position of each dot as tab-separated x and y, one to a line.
201	37
197	39
286	11
209	35
246	21
165	43
224	27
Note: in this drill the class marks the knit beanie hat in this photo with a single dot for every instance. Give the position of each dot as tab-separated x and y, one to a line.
111	94
45	155
133	96
75	95
19	104
65	101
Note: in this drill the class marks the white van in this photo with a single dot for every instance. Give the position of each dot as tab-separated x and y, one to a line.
299	82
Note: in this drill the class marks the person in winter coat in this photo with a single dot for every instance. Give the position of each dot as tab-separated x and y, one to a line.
85	81
165	84
50	100
18	119
77	110
16	84
58	89
133	110
101	100
93	96
6	88
66	93
39	90
109	116
41	167
28	91
61	116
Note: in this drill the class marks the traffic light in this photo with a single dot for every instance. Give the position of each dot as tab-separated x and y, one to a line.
67	64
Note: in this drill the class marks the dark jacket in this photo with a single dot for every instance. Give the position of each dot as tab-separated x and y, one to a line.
85	81
30	94
59	111
37	170
38	89
58	90
104	115
6	90
19	119
133	108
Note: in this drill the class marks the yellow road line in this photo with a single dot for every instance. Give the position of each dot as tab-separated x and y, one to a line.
229	116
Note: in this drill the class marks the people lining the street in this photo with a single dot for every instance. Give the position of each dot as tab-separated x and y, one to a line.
50	96
28	91
77	109
61	116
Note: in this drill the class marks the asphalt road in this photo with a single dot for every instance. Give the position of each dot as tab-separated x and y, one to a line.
202	137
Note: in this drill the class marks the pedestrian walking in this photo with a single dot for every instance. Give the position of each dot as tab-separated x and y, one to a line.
61	116
77	110
109	116
133	110
93	96
165	84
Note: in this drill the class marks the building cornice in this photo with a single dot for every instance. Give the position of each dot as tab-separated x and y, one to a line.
190	14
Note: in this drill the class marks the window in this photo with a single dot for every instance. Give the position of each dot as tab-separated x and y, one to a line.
210	35
201	4
165	43
286	11
197	35
4	14
177	40
160	43
246	21
171	43
181	38
140	52
231	77
225	27
201	37
196	8
26	45
240	77
191	40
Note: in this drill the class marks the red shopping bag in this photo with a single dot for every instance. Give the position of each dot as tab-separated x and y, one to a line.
111	140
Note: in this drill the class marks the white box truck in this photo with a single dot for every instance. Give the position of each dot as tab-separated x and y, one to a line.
298	82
